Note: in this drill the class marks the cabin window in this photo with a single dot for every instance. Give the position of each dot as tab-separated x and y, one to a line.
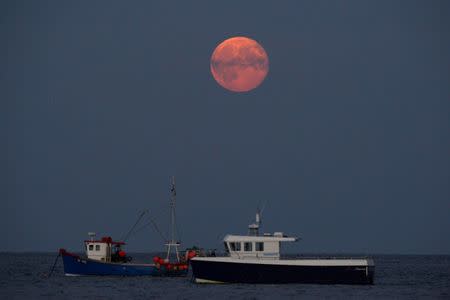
238	246
97	247
91	247
235	246
248	246
226	247
259	246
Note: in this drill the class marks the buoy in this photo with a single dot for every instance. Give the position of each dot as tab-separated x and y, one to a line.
122	253
191	254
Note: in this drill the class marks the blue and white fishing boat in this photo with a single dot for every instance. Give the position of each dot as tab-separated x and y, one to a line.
107	257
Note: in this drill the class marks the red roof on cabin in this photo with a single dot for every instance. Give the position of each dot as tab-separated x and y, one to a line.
106	240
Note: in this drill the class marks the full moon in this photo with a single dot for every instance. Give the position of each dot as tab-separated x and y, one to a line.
239	64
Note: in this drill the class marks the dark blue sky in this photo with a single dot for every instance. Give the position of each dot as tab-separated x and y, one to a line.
347	138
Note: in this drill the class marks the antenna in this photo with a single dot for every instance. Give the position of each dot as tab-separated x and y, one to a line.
253	229
92	235
260	210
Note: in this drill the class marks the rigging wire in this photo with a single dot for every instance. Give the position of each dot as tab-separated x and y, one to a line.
155	226
135	229
173	229
124	238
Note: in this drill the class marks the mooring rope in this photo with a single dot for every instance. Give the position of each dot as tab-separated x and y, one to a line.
54	265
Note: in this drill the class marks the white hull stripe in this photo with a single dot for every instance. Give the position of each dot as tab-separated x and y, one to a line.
200	280
291	262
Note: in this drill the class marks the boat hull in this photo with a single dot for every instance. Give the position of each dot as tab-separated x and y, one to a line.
75	265
223	271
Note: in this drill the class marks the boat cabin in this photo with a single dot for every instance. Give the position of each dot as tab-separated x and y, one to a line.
266	246
254	245
105	249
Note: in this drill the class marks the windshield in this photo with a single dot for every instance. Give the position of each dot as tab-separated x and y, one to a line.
226	247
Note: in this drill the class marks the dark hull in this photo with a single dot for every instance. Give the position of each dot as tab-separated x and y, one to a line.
227	272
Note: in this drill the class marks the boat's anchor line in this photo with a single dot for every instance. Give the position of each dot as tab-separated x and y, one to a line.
54	265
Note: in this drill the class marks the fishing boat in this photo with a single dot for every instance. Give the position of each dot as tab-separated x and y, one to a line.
255	258
107	257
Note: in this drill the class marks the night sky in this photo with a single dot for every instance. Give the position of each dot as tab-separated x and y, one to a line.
347	139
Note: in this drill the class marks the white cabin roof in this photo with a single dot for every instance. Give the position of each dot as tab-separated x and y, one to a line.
258	238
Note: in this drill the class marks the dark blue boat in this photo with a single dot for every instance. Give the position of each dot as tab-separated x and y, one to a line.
106	257
75	265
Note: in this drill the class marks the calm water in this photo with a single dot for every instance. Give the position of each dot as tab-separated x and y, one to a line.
22	276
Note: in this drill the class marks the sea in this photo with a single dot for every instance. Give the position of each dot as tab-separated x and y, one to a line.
25	276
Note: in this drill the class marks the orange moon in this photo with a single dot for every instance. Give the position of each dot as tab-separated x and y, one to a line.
239	64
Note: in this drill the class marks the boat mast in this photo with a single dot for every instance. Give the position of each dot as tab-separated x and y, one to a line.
253	229
173	242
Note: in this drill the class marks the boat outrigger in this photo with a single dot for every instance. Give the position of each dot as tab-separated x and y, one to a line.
107	257
255	258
